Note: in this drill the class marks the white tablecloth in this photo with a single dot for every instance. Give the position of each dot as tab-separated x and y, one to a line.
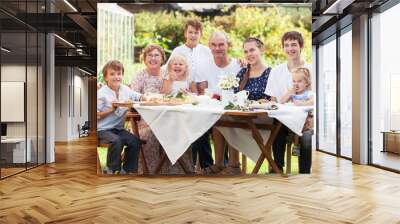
242	140
291	116
177	127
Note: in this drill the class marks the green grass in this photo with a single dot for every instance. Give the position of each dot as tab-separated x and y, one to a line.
102	153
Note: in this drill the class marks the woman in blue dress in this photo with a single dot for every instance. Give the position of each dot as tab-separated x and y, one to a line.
253	79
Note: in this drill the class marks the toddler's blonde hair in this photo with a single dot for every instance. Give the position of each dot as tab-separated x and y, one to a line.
305	73
178	57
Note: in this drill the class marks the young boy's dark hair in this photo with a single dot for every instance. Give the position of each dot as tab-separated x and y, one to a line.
195	24
113	64
293	35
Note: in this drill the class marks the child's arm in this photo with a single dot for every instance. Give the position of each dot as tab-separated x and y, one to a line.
135	96
202	87
102	110
286	98
166	86
309	102
103	114
193	87
273	99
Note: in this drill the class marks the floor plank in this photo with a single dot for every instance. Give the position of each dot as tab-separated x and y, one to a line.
69	191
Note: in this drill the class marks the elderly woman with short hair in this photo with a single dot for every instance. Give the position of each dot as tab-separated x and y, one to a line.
150	80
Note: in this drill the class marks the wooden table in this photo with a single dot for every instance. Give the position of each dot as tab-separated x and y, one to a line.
245	120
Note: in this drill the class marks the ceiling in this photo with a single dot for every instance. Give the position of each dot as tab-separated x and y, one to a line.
75	21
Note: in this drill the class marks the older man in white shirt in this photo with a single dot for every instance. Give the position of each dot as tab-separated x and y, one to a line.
221	65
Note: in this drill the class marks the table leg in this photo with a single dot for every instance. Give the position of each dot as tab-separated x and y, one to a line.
183	166
265	149
244	164
144	163
258	164
135	131
161	163
288	158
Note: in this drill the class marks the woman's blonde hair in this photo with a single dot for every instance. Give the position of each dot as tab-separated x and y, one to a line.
305	73
178	57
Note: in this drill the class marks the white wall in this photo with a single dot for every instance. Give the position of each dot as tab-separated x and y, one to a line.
34	125
61	103
71	102
13	73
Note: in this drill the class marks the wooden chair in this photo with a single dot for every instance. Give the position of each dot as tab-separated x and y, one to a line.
134	117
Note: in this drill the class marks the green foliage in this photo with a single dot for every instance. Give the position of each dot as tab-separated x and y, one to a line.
162	28
268	24
130	72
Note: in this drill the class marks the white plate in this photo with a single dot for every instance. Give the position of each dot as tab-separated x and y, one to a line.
265	106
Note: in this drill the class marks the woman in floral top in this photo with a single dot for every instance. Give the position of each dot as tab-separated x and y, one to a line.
150	80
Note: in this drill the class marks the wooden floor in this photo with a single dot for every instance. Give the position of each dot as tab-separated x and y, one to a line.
386	159
10	171
70	192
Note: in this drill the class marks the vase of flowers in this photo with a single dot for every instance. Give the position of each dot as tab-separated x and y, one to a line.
226	84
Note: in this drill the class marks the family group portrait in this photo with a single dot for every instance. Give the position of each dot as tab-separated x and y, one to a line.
204	89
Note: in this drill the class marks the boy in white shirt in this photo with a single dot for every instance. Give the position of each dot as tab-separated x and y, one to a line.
198	57
279	82
111	119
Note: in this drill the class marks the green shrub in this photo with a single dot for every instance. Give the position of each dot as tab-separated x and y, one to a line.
165	28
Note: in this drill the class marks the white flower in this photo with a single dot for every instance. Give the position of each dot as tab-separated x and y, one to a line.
228	82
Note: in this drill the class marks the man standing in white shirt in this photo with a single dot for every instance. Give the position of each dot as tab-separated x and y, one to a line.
281	80
197	55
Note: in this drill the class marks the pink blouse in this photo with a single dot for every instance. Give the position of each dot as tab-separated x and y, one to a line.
145	83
